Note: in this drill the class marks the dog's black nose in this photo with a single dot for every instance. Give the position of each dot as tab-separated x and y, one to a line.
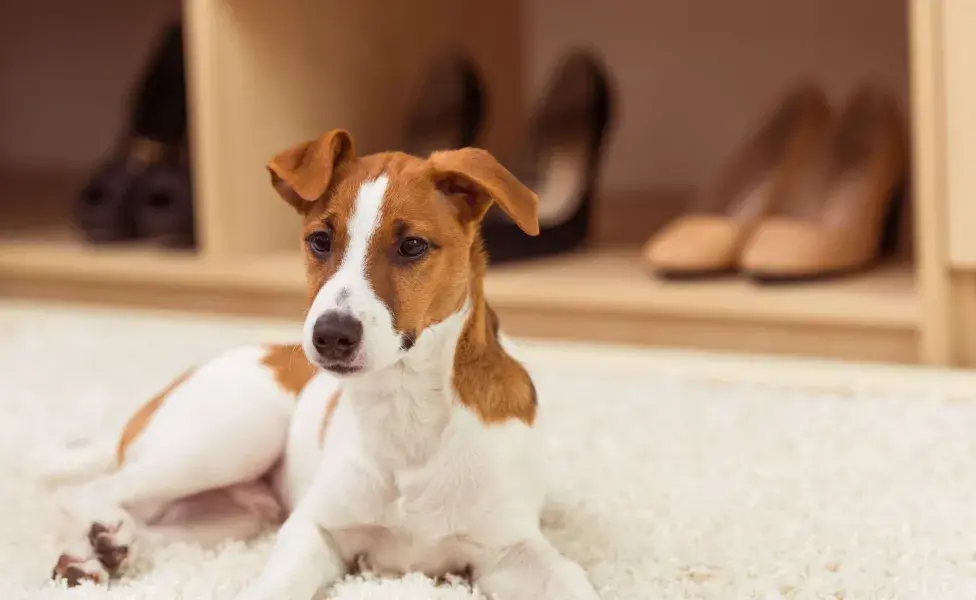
337	335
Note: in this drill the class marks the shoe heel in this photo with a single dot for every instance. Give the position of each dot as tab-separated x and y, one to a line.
892	225
576	111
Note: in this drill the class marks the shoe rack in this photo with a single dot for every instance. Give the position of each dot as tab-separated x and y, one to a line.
262	75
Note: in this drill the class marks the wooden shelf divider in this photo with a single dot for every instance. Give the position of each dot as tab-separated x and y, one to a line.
601	295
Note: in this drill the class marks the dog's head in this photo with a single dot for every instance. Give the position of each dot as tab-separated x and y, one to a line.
391	242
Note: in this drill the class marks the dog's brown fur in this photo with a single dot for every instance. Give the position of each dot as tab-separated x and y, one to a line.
140	420
291	368
441	199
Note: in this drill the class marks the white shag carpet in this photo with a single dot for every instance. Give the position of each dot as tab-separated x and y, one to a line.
682	475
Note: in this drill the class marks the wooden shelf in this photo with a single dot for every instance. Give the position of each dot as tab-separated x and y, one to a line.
600	295
150	277
613	281
607	281
67	261
605	296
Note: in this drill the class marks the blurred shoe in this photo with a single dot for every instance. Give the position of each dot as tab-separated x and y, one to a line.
156	133
842	215
708	238
449	109
561	161
162	201
102	211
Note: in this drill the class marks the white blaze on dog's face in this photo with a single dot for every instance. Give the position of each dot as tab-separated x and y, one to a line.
391	242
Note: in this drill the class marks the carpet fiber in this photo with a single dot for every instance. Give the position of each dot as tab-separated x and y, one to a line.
679	475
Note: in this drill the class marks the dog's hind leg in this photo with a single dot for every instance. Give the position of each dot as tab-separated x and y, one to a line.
239	512
220	427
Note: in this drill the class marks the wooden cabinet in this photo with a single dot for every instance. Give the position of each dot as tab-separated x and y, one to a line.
264	75
959	57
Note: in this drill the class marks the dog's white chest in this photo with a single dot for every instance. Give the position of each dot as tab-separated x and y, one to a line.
419	518
410	481
435	515
417	528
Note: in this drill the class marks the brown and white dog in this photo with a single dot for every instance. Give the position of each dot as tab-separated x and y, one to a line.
409	445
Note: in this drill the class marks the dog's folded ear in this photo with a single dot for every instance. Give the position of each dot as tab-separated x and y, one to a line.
302	173
472	179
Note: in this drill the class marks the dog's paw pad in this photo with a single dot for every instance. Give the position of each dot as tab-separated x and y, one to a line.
74	571
463	577
109	550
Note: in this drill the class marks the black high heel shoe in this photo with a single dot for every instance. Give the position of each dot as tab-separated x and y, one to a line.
449	108
152	149
561	163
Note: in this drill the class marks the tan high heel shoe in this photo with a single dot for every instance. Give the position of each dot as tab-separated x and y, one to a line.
708	239
833	218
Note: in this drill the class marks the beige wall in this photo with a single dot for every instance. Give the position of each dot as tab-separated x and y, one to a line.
694	76
64	68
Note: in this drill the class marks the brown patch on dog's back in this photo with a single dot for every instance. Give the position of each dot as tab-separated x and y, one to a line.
139	421
291	368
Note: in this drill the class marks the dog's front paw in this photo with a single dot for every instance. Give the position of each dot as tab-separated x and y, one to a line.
75	571
110	546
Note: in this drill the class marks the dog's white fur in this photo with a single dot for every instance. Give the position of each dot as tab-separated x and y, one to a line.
407	478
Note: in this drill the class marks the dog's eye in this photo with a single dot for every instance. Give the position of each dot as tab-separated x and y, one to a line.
320	242
413	247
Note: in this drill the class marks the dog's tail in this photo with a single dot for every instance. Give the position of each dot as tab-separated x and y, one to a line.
73	462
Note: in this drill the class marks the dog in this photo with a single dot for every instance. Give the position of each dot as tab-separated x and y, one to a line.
400	434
